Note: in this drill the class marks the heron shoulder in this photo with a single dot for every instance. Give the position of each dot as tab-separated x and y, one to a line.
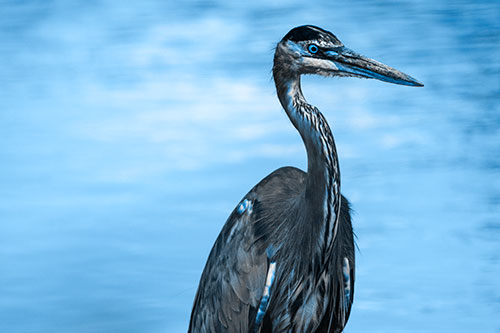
283	183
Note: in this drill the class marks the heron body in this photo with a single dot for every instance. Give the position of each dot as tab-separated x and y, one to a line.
284	261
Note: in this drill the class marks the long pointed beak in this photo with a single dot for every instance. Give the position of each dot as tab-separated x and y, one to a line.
348	61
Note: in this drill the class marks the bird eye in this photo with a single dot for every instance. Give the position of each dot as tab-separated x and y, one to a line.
313	48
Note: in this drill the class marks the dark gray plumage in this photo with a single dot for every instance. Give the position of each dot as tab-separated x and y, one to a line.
284	260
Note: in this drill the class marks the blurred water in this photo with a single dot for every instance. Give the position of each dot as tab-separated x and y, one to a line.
129	132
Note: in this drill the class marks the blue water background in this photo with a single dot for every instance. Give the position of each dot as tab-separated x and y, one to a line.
130	131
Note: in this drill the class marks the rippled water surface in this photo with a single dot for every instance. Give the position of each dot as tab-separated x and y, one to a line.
129	132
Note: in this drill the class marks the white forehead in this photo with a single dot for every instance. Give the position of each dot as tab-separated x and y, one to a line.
319	42
300	48
303	59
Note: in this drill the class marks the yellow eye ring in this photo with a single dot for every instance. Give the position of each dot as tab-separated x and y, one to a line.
313	48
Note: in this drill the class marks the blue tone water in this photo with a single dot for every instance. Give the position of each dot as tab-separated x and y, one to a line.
129	132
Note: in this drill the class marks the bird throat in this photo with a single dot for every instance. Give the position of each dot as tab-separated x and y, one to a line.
322	191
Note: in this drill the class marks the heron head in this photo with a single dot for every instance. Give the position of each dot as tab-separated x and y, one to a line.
311	50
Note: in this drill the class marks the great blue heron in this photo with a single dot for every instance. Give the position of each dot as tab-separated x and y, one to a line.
284	260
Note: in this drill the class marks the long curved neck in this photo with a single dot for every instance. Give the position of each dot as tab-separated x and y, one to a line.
322	191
